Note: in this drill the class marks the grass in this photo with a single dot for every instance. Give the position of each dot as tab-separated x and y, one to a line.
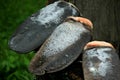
14	66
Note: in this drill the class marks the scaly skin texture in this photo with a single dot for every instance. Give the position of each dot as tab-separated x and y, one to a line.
61	49
38	27
100	61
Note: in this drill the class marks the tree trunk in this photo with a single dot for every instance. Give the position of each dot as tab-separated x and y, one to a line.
105	15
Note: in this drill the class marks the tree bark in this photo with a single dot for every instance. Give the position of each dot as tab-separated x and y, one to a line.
105	15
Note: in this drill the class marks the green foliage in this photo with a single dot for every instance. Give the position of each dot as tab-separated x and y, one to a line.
14	66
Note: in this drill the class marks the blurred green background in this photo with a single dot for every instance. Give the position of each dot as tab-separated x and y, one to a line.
14	66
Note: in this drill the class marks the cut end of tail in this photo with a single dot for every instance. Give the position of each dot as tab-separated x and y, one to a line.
84	21
97	44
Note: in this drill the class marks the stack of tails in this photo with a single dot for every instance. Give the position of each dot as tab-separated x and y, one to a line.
38	27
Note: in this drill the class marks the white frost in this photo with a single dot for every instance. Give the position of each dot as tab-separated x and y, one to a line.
104	66
63	36
49	13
